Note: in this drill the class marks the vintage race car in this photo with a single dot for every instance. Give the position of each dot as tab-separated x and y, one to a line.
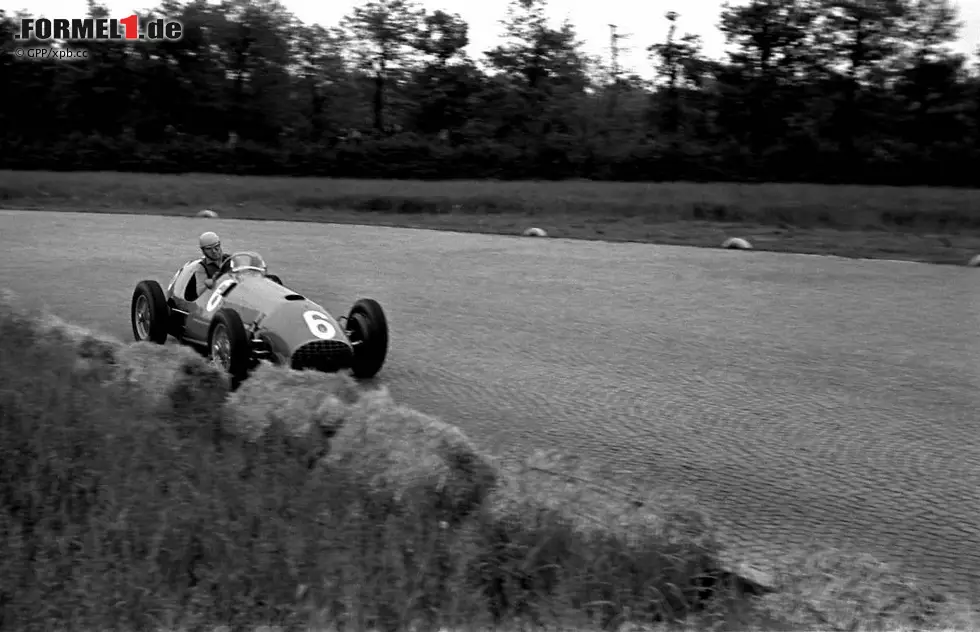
250	315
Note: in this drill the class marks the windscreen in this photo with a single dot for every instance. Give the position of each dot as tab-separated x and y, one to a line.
247	262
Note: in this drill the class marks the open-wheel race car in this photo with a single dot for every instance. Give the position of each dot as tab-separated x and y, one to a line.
249	315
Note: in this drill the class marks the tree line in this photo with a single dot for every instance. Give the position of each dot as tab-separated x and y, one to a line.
836	91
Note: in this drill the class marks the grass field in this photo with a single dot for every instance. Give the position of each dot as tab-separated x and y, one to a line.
141	492
919	224
138	493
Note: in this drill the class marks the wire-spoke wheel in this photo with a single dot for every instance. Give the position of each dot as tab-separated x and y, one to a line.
221	348
142	317
228	345
367	330
149	313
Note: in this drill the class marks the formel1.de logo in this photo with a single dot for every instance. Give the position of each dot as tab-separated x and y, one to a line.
99	29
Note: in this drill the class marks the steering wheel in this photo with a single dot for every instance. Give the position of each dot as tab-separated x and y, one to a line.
225	267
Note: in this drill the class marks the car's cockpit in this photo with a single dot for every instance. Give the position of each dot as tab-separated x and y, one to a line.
244	263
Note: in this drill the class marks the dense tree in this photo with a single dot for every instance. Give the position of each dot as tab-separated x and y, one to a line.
933	81
820	90
447	80
383	33
539	70
682	68
761	87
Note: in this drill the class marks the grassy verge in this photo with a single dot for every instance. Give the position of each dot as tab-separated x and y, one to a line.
137	492
919	224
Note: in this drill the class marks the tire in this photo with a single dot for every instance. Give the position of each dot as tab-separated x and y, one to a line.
236	359
153	324
274	277
367	328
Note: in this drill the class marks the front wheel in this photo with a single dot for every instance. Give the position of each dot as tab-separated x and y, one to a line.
150	313
367	328
228	345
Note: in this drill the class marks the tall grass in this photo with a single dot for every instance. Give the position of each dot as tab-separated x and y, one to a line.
849	207
175	504
140	507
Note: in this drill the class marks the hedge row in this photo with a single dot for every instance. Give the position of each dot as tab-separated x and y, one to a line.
557	159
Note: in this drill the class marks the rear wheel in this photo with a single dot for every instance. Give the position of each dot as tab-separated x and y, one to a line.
150	313
367	328
228	345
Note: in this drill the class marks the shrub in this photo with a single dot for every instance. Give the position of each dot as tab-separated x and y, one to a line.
137	493
550	158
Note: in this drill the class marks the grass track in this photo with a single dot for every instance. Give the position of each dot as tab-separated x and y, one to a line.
918	224
798	386
140	458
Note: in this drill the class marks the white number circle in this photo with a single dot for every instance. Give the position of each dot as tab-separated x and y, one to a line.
218	295
319	325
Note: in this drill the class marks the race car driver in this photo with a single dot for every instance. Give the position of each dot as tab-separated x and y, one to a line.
213	258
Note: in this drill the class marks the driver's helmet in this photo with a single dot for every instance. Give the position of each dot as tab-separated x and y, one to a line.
211	247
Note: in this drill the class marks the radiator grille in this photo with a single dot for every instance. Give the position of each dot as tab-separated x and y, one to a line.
323	355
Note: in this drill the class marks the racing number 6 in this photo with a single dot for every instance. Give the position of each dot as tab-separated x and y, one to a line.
219	293
319	325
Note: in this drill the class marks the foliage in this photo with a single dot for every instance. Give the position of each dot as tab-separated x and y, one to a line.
136	494
813	90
